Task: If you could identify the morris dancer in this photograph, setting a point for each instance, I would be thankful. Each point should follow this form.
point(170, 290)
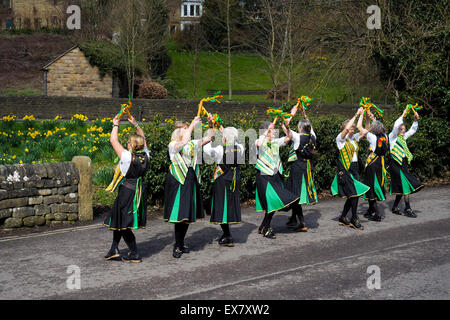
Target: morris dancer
point(182, 198)
point(226, 204)
point(345, 183)
point(129, 210)
point(301, 180)
point(270, 192)
point(402, 182)
point(375, 174)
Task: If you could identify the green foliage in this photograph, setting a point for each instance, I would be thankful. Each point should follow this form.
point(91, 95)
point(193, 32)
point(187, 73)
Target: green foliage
point(412, 52)
point(103, 176)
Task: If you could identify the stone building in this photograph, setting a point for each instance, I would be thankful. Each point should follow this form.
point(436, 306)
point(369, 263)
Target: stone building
point(32, 14)
point(183, 13)
point(72, 75)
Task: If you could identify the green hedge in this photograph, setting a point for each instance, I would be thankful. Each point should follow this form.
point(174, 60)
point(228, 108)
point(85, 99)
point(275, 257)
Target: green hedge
point(429, 146)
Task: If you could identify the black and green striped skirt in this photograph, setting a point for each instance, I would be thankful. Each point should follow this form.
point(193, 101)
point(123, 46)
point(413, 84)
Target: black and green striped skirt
point(226, 203)
point(301, 182)
point(182, 202)
point(346, 184)
point(402, 182)
point(271, 195)
point(376, 180)
point(122, 215)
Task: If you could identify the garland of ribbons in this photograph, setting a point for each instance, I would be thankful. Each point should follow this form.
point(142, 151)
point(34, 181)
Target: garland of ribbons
point(278, 113)
point(412, 108)
point(125, 108)
point(202, 112)
point(306, 101)
point(367, 105)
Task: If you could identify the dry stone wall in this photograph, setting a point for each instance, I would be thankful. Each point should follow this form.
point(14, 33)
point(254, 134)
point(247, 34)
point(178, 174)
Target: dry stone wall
point(38, 194)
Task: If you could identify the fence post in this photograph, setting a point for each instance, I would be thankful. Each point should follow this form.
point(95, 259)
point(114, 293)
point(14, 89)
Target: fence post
point(84, 166)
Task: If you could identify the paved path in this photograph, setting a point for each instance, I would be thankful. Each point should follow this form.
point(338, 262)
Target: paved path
point(327, 262)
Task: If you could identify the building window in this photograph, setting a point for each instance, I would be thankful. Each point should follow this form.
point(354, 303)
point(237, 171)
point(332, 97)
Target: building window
point(9, 24)
point(197, 11)
point(5, 4)
point(185, 10)
point(192, 10)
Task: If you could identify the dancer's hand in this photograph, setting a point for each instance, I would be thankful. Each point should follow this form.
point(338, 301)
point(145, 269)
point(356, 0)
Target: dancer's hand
point(132, 121)
point(116, 121)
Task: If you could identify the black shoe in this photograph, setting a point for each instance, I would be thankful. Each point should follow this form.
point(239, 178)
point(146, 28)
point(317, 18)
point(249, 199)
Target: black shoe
point(177, 252)
point(268, 233)
point(260, 230)
point(356, 224)
point(226, 242)
point(375, 218)
point(132, 257)
point(343, 221)
point(185, 249)
point(112, 254)
point(410, 213)
point(292, 222)
point(300, 228)
point(396, 210)
point(369, 214)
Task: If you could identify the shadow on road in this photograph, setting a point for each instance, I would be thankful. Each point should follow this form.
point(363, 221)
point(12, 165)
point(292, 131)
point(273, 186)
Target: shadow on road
point(196, 240)
point(312, 217)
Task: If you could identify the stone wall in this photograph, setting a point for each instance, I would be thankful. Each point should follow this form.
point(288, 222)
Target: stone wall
point(39, 194)
point(49, 107)
point(72, 75)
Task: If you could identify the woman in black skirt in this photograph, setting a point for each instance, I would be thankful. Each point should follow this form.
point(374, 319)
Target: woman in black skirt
point(345, 183)
point(226, 203)
point(402, 182)
point(129, 211)
point(271, 195)
point(301, 178)
point(182, 198)
point(375, 175)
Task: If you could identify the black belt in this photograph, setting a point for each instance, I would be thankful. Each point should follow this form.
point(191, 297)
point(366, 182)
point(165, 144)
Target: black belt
point(130, 184)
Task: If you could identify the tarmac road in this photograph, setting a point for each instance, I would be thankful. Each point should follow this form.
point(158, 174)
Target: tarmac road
point(327, 262)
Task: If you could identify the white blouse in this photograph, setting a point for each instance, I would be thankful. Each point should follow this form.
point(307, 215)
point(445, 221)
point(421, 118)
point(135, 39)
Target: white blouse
point(125, 160)
point(394, 134)
point(341, 143)
point(296, 138)
point(217, 152)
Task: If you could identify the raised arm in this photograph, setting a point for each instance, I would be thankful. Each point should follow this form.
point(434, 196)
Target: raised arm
point(187, 135)
point(397, 124)
point(261, 139)
point(414, 127)
point(362, 131)
point(288, 132)
point(139, 130)
point(114, 138)
point(350, 123)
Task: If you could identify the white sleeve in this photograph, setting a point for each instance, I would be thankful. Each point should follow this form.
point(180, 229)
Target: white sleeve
point(295, 139)
point(172, 150)
point(394, 131)
point(313, 133)
point(356, 137)
point(412, 130)
point(340, 142)
point(280, 141)
point(147, 152)
point(372, 140)
point(125, 162)
point(216, 153)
